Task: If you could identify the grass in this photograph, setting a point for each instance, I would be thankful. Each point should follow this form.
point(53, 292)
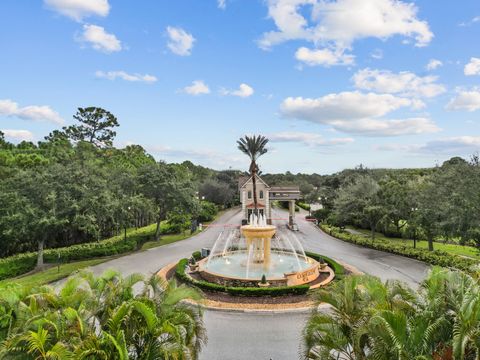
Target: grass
point(460, 250)
point(168, 239)
point(53, 273)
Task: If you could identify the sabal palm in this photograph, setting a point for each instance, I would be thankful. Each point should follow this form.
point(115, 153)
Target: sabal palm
point(254, 147)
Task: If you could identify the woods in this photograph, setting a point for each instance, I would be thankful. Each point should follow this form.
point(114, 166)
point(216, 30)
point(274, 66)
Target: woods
point(74, 187)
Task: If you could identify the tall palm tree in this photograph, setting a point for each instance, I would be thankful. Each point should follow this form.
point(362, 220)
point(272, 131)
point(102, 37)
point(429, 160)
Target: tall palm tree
point(254, 147)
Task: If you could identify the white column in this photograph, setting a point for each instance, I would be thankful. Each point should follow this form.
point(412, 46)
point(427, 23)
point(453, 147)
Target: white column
point(244, 204)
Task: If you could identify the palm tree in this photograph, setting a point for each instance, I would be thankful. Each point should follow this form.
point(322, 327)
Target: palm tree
point(253, 147)
point(101, 318)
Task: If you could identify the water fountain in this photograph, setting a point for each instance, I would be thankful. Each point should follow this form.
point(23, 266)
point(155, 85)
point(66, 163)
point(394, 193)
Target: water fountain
point(242, 258)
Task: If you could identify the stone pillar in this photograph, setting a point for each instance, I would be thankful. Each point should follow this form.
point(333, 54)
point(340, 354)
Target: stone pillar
point(291, 213)
point(268, 212)
point(244, 204)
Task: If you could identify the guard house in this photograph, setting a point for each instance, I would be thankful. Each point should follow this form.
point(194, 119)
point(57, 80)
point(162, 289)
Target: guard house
point(265, 196)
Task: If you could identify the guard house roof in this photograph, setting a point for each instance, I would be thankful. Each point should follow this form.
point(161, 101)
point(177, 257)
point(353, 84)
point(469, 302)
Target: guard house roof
point(244, 180)
point(284, 193)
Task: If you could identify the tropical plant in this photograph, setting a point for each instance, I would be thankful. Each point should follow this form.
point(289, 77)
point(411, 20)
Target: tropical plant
point(101, 318)
point(254, 147)
point(367, 319)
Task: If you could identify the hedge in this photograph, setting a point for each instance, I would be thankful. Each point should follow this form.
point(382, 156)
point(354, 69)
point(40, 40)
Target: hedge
point(436, 257)
point(335, 266)
point(237, 291)
point(21, 263)
point(303, 205)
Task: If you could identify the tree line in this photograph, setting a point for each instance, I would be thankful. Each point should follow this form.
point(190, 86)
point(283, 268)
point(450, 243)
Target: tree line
point(436, 204)
point(74, 187)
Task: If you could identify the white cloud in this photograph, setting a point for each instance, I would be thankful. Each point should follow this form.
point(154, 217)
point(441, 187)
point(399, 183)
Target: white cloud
point(342, 22)
point(465, 100)
point(458, 145)
point(403, 83)
point(324, 57)
point(78, 9)
point(359, 113)
point(433, 64)
point(32, 112)
point(222, 4)
point(243, 91)
point(99, 39)
point(205, 157)
point(112, 75)
point(181, 42)
point(198, 87)
point(19, 135)
point(377, 54)
point(473, 67)
point(308, 139)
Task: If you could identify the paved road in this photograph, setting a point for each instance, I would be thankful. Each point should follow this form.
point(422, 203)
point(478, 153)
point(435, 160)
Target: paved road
point(239, 336)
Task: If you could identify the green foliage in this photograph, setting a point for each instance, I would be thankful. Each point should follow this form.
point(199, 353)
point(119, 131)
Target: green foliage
point(19, 264)
point(251, 291)
point(303, 205)
point(372, 320)
point(101, 318)
point(264, 279)
point(335, 266)
point(207, 211)
point(95, 126)
point(436, 257)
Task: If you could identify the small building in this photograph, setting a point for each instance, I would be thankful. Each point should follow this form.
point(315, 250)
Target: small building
point(265, 196)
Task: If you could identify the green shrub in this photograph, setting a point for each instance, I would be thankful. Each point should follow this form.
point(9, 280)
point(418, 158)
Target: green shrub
point(207, 212)
point(335, 266)
point(436, 257)
point(22, 263)
point(197, 255)
point(17, 265)
point(237, 291)
point(303, 205)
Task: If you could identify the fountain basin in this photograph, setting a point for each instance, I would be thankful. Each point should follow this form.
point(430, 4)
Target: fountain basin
point(229, 269)
point(258, 232)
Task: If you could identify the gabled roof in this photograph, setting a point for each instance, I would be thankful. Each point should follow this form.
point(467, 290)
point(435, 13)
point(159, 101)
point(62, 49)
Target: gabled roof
point(249, 179)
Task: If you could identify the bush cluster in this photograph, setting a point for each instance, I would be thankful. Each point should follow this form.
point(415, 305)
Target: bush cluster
point(436, 257)
point(237, 291)
point(303, 205)
point(21, 263)
point(335, 266)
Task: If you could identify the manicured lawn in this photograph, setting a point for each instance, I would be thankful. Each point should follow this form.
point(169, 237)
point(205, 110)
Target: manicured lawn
point(459, 250)
point(168, 239)
point(53, 273)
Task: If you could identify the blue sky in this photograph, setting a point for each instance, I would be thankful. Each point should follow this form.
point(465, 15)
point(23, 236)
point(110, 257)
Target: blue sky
point(332, 83)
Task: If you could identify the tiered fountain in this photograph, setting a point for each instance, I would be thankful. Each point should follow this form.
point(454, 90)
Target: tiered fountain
point(241, 259)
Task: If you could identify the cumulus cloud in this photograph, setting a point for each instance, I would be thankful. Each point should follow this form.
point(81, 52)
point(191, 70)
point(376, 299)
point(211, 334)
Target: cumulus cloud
point(198, 87)
point(18, 135)
point(32, 112)
point(433, 64)
point(180, 42)
point(473, 67)
point(359, 113)
point(325, 57)
point(308, 139)
point(404, 83)
point(243, 91)
point(465, 100)
point(112, 75)
point(99, 39)
point(79, 9)
point(339, 23)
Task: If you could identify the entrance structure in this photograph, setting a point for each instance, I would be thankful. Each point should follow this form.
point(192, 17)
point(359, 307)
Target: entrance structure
point(265, 196)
